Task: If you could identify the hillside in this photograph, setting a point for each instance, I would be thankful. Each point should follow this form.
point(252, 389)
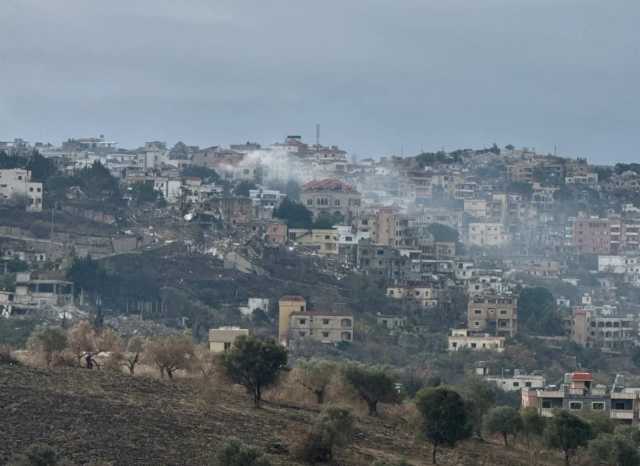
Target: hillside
point(98, 417)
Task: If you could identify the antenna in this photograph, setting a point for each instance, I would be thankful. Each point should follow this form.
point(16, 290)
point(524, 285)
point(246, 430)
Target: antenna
point(318, 135)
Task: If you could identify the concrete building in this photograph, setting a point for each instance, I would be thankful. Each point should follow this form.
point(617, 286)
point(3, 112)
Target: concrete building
point(332, 197)
point(222, 339)
point(41, 291)
point(486, 234)
point(588, 326)
point(495, 313)
point(512, 381)
point(253, 304)
point(578, 394)
point(461, 339)
point(287, 305)
point(16, 184)
point(323, 326)
point(391, 322)
point(324, 241)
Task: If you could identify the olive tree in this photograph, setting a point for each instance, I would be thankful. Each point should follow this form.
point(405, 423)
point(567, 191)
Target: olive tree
point(316, 375)
point(567, 433)
point(255, 364)
point(170, 354)
point(48, 341)
point(503, 420)
point(445, 418)
point(373, 384)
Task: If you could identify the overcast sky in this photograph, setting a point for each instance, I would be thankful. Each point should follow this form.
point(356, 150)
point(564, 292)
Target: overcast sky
point(378, 75)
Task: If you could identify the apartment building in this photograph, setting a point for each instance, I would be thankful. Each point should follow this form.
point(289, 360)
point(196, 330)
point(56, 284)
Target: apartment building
point(579, 395)
point(323, 241)
point(322, 326)
point(486, 234)
point(425, 295)
point(588, 326)
point(609, 235)
point(331, 196)
point(511, 381)
point(461, 339)
point(497, 314)
point(16, 184)
point(287, 305)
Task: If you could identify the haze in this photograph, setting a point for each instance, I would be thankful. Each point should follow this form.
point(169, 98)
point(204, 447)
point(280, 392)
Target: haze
point(380, 76)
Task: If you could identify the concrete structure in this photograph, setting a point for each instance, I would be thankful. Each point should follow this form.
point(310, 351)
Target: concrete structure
point(485, 234)
point(391, 322)
point(323, 326)
point(287, 305)
point(332, 197)
point(578, 394)
point(254, 304)
point(38, 292)
point(512, 381)
point(222, 339)
point(589, 327)
point(325, 241)
point(495, 313)
point(461, 339)
point(16, 184)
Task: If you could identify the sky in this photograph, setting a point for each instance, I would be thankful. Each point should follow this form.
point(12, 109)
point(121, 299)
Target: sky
point(380, 76)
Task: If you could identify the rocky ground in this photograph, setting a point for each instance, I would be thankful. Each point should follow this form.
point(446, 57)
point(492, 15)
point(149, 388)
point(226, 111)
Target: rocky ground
point(106, 418)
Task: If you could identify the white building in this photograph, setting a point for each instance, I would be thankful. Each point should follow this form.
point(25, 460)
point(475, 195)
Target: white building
point(486, 234)
point(461, 339)
point(253, 304)
point(16, 183)
point(512, 382)
point(266, 198)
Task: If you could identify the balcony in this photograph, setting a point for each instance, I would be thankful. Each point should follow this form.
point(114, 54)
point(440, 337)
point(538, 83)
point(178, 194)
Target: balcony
point(621, 414)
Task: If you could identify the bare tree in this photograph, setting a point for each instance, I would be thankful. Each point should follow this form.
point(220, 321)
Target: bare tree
point(316, 375)
point(170, 354)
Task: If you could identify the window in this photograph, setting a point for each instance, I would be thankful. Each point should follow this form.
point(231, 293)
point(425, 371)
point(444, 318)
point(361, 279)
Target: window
point(597, 405)
point(477, 312)
point(575, 405)
point(546, 404)
point(302, 321)
point(619, 405)
point(302, 334)
point(325, 334)
point(227, 346)
point(527, 384)
point(454, 344)
point(325, 321)
point(346, 323)
point(309, 201)
point(473, 345)
point(516, 384)
point(346, 336)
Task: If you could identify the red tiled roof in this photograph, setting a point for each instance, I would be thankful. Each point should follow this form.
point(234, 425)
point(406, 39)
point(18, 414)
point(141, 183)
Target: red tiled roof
point(328, 185)
point(582, 377)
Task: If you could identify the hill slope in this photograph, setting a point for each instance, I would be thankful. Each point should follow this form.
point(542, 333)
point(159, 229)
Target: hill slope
point(105, 418)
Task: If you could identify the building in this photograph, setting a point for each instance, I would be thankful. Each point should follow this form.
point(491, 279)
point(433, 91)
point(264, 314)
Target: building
point(222, 339)
point(425, 295)
point(495, 313)
point(42, 291)
point(287, 305)
point(322, 326)
point(324, 241)
point(486, 234)
point(333, 197)
point(590, 327)
point(461, 339)
point(578, 394)
point(16, 185)
point(512, 381)
point(254, 304)
point(391, 322)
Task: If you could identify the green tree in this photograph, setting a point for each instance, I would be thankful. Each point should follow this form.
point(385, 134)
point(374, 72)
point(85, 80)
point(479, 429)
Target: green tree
point(41, 168)
point(48, 341)
point(234, 453)
point(294, 214)
point(143, 193)
point(207, 175)
point(255, 364)
point(373, 384)
point(503, 420)
point(532, 423)
point(567, 433)
point(480, 397)
point(316, 375)
point(326, 221)
point(609, 449)
point(537, 312)
point(444, 418)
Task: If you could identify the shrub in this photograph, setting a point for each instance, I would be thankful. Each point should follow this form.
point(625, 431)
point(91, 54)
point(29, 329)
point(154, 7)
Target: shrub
point(234, 453)
point(333, 429)
point(503, 420)
point(36, 455)
point(6, 356)
point(48, 342)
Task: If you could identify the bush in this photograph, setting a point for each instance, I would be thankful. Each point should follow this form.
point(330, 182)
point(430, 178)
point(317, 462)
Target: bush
point(6, 356)
point(374, 385)
point(48, 342)
point(234, 453)
point(333, 429)
point(36, 455)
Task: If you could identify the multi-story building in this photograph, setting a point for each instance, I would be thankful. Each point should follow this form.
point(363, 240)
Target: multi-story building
point(324, 241)
point(495, 313)
point(461, 339)
point(609, 235)
point(16, 183)
point(511, 381)
point(322, 326)
point(332, 197)
point(425, 295)
point(287, 305)
point(486, 234)
point(578, 394)
point(587, 326)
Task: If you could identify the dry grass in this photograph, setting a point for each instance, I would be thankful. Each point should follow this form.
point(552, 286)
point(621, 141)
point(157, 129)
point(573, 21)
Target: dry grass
point(104, 417)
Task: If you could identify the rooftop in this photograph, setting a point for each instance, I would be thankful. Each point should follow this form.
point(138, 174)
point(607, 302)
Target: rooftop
point(328, 185)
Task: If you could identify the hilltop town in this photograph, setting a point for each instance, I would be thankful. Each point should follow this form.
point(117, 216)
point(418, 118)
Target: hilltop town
point(497, 266)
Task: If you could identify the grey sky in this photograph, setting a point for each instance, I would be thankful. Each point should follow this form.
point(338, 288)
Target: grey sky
point(376, 74)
